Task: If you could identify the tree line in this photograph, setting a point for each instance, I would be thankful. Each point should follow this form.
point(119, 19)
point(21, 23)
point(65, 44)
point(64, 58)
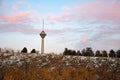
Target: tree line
point(89, 52)
point(24, 50)
point(85, 52)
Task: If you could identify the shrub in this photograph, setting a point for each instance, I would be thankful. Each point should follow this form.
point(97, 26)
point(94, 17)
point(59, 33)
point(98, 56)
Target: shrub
point(104, 53)
point(112, 53)
point(33, 51)
point(118, 53)
point(65, 51)
point(98, 54)
point(24, 50)
point(87, 52)
point(78, 53)
point(69, 52)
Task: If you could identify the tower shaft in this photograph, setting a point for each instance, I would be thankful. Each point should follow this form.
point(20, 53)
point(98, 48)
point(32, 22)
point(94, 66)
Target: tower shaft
point(42, 46)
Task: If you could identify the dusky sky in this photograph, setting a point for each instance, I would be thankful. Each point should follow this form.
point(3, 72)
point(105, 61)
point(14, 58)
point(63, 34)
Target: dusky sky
point(75, 24)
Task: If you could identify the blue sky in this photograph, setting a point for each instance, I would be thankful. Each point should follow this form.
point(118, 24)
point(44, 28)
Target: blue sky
point(75, 24)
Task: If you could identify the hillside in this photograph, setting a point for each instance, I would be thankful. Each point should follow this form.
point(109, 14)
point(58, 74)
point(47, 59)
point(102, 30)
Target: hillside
point(31, 66)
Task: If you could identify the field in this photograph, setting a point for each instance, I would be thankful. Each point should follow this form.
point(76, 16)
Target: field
point(31, 66)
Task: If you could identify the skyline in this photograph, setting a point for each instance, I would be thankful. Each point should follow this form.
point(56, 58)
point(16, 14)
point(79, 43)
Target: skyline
point(74, 24)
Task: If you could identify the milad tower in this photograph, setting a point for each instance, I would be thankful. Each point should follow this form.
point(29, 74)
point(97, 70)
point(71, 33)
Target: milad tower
point(42, 34)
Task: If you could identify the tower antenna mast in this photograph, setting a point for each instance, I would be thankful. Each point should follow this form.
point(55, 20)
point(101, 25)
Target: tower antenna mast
point(43, 25)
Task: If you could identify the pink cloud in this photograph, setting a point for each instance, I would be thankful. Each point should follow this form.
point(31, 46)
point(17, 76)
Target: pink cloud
point(99, 11)
point(84, 39)
point(18, 4)
point(64, 17)
point(28, 29)
point(14, 8)
point(102, 11)
point(14, 27)
point(19, 17)
point(21, 13)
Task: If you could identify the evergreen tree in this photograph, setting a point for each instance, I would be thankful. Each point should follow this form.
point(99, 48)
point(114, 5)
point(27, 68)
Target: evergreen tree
point(84, 52)
point(98, 54)
point(33, 51)
point(118, 53)
point(89, 51)
point(112, 53)
point(104, 53)
point(78, 53)
point(24, 50)
point(70, 52)
point(65, 51)
point(74, 52)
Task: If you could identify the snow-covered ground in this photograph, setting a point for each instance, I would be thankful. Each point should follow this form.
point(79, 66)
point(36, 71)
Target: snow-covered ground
point(18, 59)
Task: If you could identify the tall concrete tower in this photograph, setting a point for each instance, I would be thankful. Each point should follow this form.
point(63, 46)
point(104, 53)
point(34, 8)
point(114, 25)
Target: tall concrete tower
point(42, 34)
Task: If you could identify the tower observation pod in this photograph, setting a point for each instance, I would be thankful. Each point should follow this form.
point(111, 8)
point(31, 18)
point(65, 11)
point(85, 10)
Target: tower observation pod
point(42, 34)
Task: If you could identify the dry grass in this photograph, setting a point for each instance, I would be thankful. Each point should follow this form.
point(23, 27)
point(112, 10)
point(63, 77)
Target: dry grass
point(57, 70)
point(67, 73)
